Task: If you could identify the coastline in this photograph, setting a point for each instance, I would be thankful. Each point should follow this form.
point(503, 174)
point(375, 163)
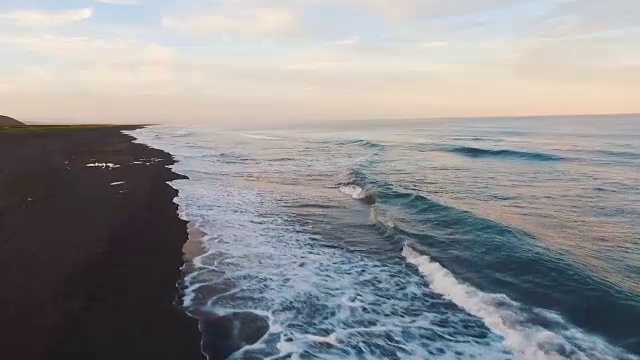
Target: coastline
point(90, 255)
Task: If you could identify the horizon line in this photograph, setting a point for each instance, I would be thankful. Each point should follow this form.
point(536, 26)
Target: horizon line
point(157, 122)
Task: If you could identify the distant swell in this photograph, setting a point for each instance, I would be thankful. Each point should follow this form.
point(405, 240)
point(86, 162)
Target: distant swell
point(474, 152)
point(473, 138)
point(363, 143)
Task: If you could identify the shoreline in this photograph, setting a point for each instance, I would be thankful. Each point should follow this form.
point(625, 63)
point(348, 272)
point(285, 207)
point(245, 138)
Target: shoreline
point(90, 257)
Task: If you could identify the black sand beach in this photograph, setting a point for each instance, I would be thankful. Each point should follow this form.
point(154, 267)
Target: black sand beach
point(88, 264)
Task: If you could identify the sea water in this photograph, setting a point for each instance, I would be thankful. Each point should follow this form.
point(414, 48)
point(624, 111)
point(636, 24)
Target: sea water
point(417, 239)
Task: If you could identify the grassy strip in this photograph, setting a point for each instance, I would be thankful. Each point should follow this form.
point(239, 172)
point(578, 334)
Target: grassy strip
point(46, 128)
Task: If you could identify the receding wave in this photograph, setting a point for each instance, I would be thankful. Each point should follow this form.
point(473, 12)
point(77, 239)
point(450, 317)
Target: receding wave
point(234, 157)
point(475, 152)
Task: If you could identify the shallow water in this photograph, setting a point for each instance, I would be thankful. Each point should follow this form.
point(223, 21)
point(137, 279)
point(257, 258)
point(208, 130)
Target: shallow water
point(451, 239)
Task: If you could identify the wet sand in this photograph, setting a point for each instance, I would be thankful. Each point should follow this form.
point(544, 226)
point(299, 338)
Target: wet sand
point(89, 256)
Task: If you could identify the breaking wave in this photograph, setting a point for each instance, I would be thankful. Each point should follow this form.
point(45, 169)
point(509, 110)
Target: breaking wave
point(354, 191)
point(493, 250)
point(516, 323)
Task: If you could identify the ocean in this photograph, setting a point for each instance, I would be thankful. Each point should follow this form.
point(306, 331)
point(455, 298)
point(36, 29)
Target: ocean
point(488, 238)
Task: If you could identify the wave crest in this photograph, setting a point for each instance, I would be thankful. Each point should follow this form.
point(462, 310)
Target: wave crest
point(475, 152)
point(358, 193)
point(363, 143)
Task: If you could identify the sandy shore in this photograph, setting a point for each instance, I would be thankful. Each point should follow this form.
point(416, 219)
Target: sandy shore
point(89, 255)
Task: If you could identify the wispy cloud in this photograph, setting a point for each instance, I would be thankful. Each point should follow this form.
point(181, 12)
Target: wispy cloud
point(47, 18)
point(433, 44)
point(260, 21)
point(119, 2)
point(428, 8)
point(345, 42)
point(94, 50)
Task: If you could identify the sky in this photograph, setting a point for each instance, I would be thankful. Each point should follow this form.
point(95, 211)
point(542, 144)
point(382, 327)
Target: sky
point(202, 61)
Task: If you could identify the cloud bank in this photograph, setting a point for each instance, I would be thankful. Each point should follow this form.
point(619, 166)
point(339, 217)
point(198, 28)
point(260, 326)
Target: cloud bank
point(311, 59)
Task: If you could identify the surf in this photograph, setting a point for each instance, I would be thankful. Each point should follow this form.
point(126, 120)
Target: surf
point(333, 275)
point(494, 249)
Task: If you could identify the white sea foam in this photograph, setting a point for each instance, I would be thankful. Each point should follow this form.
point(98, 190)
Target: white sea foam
point(320, 300)
point(260, 137)
point(117, 183)
point(146, 161)
point(508, 318)
point(354, 191)
point(103, 165)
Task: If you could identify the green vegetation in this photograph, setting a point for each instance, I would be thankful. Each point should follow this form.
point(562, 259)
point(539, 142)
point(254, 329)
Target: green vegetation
point(45, 128)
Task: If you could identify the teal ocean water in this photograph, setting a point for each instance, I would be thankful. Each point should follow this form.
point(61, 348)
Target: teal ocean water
point(417, 239)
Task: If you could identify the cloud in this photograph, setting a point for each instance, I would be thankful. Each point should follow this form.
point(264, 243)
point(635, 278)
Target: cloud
point(595, 15)
point(317, 65)
point(119, 2)
point(5, 87)
point(345, 42)
point(428, 8)
point(329, 58)
point(108, 64)
point(47, 18)
point(432, 44)
point(244, 22)
point(151, 78)
point(82, 48)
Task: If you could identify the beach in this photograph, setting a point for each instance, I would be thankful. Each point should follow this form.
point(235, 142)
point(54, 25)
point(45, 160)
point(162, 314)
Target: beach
point(90, 248)
point(334, 242)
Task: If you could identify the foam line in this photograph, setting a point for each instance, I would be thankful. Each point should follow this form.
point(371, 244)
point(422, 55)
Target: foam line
point(103, 165)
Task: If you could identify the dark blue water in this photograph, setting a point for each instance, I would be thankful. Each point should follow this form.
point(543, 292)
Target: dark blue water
point(473, 238)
